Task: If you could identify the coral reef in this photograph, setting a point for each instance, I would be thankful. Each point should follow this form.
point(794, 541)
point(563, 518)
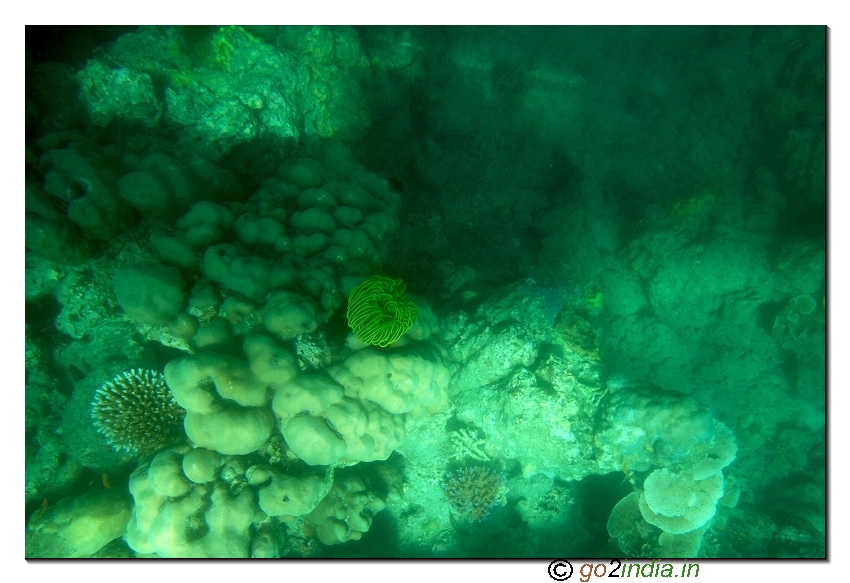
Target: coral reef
point(224, 401)
point(84, 177)
point(535, 408)
point(150, 293)
point(411, 379)
point(801, 317)
point(686, 449)
point(194, 503)
point(616, 344)
point(678, 503)
point(283, 258)
point(646, 427)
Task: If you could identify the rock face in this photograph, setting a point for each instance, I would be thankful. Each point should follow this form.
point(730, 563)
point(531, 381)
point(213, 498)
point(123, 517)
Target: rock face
point(528, 389)
point(79, 527)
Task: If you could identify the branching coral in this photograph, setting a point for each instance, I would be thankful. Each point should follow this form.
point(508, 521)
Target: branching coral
point(468, 443)
point(473, 491)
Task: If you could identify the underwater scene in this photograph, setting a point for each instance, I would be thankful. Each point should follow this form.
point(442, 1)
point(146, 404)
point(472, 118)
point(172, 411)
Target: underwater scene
point(425, 292)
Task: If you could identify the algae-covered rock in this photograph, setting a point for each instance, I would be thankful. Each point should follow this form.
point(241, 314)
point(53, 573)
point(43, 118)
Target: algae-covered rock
point(150, 293)
point(79, 527)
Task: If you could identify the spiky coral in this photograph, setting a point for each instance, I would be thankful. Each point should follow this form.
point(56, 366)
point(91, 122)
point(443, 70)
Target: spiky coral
point(136, 412)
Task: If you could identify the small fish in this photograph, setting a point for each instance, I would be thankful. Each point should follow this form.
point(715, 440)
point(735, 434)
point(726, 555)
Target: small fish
point(105, 479)
point(44, 505)
point(625, 466)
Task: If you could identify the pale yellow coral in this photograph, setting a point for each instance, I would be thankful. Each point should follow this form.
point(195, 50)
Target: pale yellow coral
point(287, 315)
point(313, 440)
point(346, 512)
point(205, 521)
point(232, 431)
point(224, 402)
point(190, 377)
point(410, 379)
point(200, 465)
point(322, 426)
point(166, 473)
point(270, 362)
point(287, 495)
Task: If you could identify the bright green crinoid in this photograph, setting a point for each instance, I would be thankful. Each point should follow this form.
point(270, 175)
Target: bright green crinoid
point(378, 310)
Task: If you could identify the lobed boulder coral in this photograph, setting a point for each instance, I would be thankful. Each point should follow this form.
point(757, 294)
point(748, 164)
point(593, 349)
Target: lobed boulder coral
point(84, 178)
point(288, 315)
point(195, 503)
point(346, 512)
point(150, 293)
point(161, 186)
point(286, 495)
point(322, 421)
point(201, 465)
point(282, 258)
point(177, 518)
point(48, 232)
point(225, 402)
point(411, 379)
point(101, 192)
point(322, 426)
